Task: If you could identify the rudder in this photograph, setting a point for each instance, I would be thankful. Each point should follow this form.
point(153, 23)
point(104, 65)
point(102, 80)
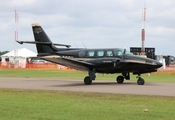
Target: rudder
point(41, 37)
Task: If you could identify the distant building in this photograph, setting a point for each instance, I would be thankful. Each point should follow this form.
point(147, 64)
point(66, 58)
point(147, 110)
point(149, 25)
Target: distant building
point(149, 52)
point(170, 60)
point(19, 60)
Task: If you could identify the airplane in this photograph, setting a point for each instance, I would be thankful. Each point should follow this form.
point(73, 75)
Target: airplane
point(109, 60)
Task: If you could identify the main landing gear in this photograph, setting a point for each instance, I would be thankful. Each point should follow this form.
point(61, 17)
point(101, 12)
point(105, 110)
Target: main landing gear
point(120, 79)
point(88, 79)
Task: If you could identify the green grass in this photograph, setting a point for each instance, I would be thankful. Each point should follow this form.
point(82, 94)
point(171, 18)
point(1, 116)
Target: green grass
point(42, 73)
point(161, 76)
point(16, 104)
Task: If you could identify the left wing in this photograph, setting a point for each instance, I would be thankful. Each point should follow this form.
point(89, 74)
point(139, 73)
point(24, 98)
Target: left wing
point(79, 65)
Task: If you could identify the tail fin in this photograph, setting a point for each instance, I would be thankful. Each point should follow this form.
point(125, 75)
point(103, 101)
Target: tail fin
point(41, 37)
point(42, 41)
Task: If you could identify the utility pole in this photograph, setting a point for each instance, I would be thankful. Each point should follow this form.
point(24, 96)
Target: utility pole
point(16, 37)
point(143, 31)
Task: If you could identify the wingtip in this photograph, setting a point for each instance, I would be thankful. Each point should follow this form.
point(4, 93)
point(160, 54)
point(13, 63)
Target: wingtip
point(20, 42)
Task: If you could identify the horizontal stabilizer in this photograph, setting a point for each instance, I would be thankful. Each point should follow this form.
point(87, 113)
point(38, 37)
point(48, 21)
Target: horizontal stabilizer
point(44, 43)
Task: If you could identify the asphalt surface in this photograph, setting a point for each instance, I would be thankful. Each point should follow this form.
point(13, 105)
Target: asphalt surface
point(150, 88)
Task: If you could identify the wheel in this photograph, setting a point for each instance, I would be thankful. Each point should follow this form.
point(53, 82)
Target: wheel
point(120, 79)
point(87, 80)
point(140, 81)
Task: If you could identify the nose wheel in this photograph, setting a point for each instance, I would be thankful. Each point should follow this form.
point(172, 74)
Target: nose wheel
point(140, 81)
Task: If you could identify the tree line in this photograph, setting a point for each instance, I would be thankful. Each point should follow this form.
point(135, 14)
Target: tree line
point(3, 52)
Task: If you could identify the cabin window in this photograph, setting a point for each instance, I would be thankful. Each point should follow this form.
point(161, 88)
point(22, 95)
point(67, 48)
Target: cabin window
point(81, 54)
point(109, 53)
point(118, 52)
point(100, 53)
point(90, 53)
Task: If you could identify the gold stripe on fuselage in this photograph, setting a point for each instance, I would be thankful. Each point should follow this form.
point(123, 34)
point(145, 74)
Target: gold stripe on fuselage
point(142, 62)
point(68, 57)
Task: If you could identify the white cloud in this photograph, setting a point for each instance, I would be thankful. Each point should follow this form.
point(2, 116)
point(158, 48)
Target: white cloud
point(111, 23)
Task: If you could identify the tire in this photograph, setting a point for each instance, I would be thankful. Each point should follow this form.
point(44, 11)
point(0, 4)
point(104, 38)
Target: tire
point(87, 80)
point(140, 81)
point(120, 79)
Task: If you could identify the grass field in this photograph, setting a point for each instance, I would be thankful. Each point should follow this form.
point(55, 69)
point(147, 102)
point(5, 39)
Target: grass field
point(18, 104)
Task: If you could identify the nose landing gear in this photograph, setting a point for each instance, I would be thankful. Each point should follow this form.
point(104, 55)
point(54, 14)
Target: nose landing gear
point(140, 80)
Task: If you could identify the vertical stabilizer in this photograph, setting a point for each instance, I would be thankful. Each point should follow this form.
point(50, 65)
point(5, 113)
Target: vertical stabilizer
point(41, 37)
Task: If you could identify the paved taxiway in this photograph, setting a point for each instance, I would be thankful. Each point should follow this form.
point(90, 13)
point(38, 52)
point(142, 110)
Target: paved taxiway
point(150, 88)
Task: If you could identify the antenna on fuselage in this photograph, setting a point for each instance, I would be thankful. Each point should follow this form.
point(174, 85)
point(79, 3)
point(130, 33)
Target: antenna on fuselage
point(76, 45)
point(83, 44)
point(123, 53)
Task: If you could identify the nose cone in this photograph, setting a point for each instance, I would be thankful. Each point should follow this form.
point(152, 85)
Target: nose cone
point(159, 64)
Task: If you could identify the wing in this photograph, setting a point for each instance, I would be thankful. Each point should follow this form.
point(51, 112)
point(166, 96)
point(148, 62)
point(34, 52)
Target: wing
point(79, 65)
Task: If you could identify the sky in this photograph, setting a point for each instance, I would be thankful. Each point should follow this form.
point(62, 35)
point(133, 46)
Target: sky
point(90, 23)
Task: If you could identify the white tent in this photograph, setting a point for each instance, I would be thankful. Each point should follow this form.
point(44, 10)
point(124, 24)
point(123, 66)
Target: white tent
point(17, 58)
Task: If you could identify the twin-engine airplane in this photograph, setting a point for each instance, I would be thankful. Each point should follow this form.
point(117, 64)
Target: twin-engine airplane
point(111, 60)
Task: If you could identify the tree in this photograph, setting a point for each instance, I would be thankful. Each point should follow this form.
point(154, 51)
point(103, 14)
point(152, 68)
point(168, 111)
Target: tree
point(3, 52)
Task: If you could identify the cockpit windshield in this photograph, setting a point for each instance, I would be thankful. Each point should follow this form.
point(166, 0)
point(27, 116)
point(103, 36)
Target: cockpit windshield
point(128, 53)
point(120, 52)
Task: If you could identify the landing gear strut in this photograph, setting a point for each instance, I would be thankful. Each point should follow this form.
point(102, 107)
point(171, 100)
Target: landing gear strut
point(88, 79)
